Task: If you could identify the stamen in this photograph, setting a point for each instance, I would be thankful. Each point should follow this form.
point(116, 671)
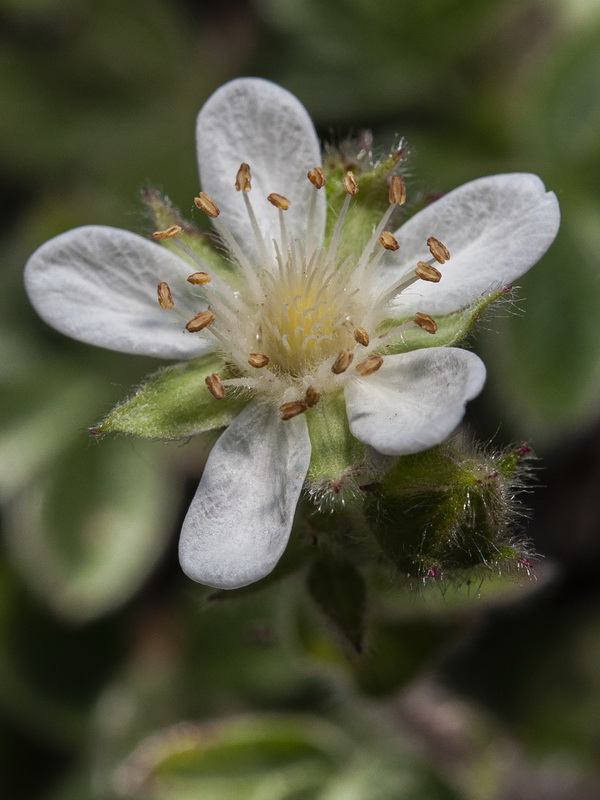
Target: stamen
point(317, 177)
point(350, 184)
point(427, 272)
point(396, 196)
point(216, 386)
point(337, 231)
point(388, 240)
point(289, 410)
point(312, 397)
point(168, 233)
point(243, 180)
point(165, 298)
point(243, 184)
point(369, 366)
point(258, 360)
point(361, 336)
point(238, 254)
point(199, 278)
point(397, 191)
point(279, 201)
point(282, 203)
point(200, 321)
point(438, 250)
point(342, 362)
point(205, 203)
point(426, 322)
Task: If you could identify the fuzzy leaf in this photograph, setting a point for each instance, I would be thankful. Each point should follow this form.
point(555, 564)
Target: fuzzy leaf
point(174, 403)
point(244, 757)
point(86, 535)
point(339, 591)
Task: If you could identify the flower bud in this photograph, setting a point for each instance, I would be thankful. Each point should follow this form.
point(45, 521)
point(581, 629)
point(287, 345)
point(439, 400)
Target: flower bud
point(448, 510)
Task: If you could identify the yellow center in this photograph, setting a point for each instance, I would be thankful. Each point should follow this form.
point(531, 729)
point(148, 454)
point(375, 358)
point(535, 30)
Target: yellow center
point(304, 322)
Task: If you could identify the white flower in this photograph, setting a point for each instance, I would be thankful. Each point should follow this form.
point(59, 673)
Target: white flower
point(299, 322)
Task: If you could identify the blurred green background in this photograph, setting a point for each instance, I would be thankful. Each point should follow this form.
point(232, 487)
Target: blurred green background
point(106, 649)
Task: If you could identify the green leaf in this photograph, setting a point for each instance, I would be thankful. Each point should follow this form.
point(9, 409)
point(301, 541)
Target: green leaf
point(174, 403)
point(87, 533)
point(399, 650)
point(451, 329)
point(340, 592)
point(275, 757)
point(39, 425)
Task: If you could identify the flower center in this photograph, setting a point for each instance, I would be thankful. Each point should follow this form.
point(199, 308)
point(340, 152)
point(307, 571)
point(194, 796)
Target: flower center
point(307, 315)
point(294, 328)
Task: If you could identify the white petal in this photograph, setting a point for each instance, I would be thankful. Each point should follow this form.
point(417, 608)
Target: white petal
point(98, 285)
point(255, 121)
point(495, 228)
point(241, 516)
point(415, 400)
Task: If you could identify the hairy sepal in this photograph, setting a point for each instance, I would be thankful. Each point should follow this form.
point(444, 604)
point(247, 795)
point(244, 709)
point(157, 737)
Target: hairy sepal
point(367, 207)
point(203, 245)
point(338, 458)
point(173, 403)
point(452, 329)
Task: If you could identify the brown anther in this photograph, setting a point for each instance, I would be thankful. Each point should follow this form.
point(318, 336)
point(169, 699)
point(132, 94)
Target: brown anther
point(200, 321)
point(317, 177)
point(397, 191)
point(388, 241)
point(350, 184)
point(312, 397)
point(215, 385)
point(438, 250)
point(426, 322)
point(428, 273)
point(279, 201)
point(205, 203)
point(342, 362)
point(289, 410)
point(199, 278)
point(243, 179)
point(168, 233)
point(258, 360)
point(369, 366)
point(165, 298)
point(361, 336)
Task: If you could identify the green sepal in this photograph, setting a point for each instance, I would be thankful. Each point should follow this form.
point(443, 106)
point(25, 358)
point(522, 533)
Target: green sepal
point(452, 329)
point(339, 590)
point(366, 208)
point(336, 454)
point(449, 509)
point(200, 243)
point(173, 403)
